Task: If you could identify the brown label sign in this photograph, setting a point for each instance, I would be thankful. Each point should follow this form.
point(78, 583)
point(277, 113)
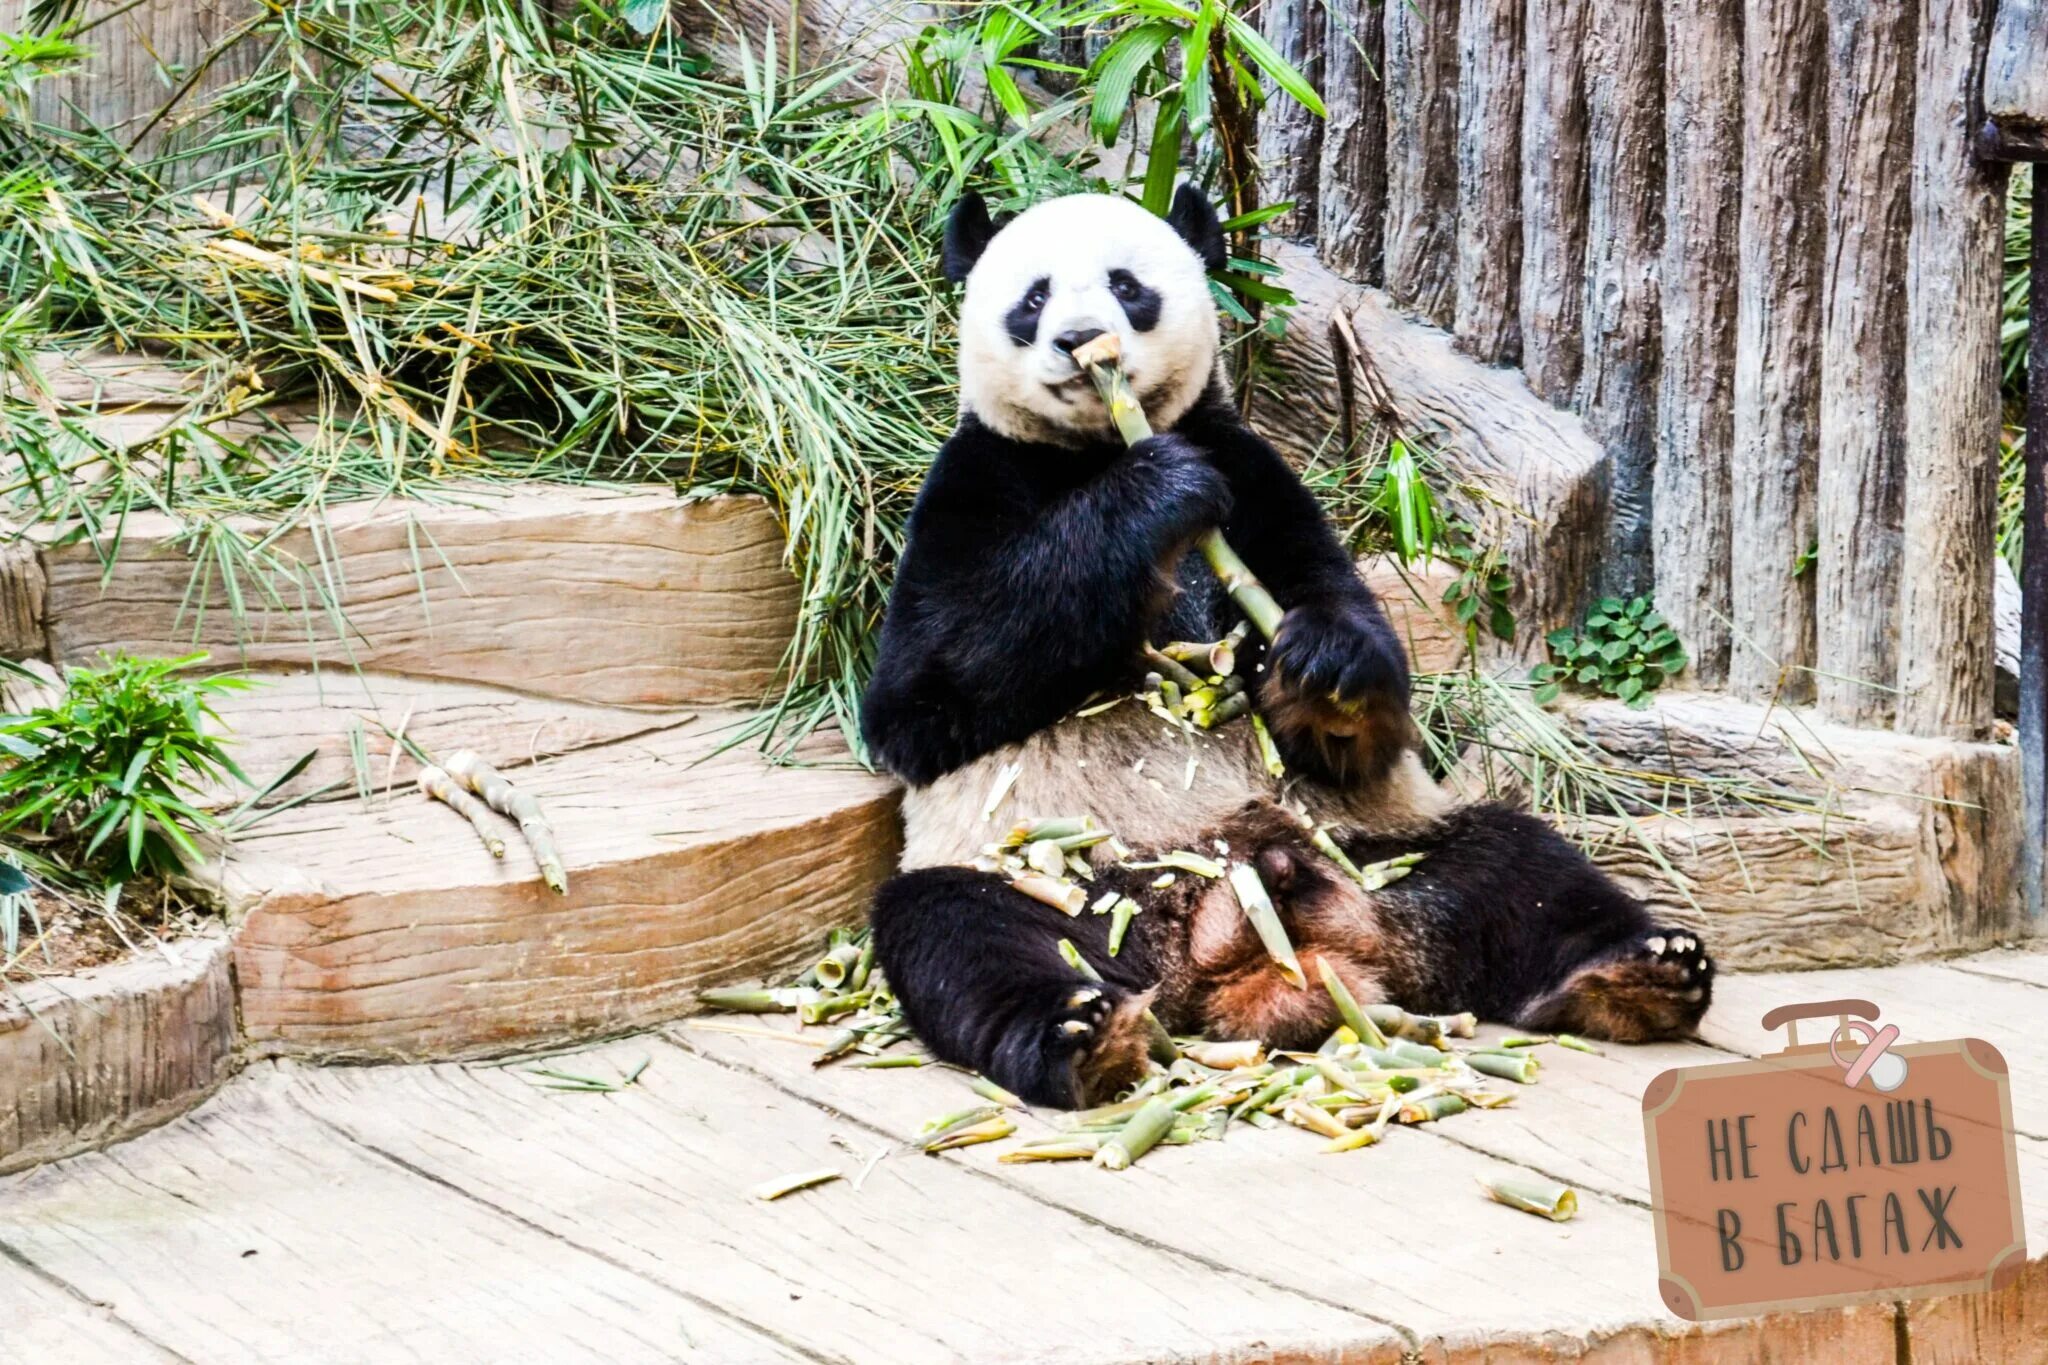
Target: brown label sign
point(1776, 1185)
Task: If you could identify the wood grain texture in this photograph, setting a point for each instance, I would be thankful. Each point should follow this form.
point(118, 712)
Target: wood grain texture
point(2016, 76)
point(1952, 305)
point(624, 598)
point(138, 58)
point(90, 1059)
point(1422, 156)
point(1859, 501)
point(21, 599)
point(1624, 260)
point(1290, 137)
point(1351, 192)
point(1777, 347)
point(1690, 492)
point(1487, 321)
point(285, 715)
point(391, 933)
point(1413, 597)
point(1552, 293)
point(1490, 430)
point(1920, 853)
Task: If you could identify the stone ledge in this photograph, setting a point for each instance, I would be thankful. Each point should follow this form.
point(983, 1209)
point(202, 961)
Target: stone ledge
point(90, 1059)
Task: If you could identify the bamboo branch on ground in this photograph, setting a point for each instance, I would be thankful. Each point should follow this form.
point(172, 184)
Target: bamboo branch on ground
point(499, 793)
point(439, 786)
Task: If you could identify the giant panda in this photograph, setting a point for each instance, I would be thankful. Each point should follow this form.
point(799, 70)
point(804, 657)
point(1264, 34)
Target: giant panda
point(1041, 556)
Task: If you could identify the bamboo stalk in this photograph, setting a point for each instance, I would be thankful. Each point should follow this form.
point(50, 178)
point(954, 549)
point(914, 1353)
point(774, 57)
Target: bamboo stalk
point(1396, 1022)
point(738, 1001)
point(1577, 1044)
point(1138, 1135)
point(1060, 894)
point(790, 1184)
point(1520, 1067)
point(1355, 1019)
point(989, 1090)
point(1230, 1056)
point(1120, 922)
point(1183, 861)
point(1533, 1194)
point(1258, 908)
point(988, 1130)
point(1102, 358)
point(438, 785)
point(1429, 1108)
point(836, 966)
point(480, 777)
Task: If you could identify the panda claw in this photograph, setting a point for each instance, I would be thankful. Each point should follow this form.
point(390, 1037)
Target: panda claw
point(1072, 1026)
point(1082, 997)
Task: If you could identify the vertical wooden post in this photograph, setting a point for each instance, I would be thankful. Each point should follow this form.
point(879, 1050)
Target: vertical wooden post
point(1422, 155)
point(1696, 385)
point(1777, 348)
point(1952, 305)
point(1290, 137)
point(1351, 196)
point(1859, 497)
point(1487, 322)
point(2033, 717)
point(1624, 260)
point(1554, 198)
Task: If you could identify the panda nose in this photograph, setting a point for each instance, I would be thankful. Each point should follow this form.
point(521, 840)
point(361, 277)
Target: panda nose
point(1070, 342)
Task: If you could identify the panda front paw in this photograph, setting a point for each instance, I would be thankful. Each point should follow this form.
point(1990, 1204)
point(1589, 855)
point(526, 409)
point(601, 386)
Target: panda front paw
point(1175, 482)
point(1336, 693)
point(1079, 1022)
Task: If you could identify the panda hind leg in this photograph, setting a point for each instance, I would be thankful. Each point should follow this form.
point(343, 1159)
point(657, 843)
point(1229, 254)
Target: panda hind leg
point(1655, 985)
point(977, 967)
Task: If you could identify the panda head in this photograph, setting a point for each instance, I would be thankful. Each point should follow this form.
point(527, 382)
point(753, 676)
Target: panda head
point(1067, 270)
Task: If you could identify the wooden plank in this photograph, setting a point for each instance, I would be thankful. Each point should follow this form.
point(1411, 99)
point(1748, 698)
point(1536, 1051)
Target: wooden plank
point(1487, 320)
point(1954, 271)
point(21, 599)
point(246, 1231)
point(1624, 258)
point(1552, 290)
point(2016, 79)
point(287, 714)
point(1290, 137)
point(1860, 485)
point(1690, 530)
point(1351, 195)
point(1777, 349)
point(93, 1058)
point(1252, 1189)
point(1928, 1001)
point(1422, 156)
point(390, 933)
point(48, 1322)
point(656, 1179)
point(585, 593)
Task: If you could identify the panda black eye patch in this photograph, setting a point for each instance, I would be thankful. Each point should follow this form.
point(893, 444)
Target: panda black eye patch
point(1021, 322)
point(1140, 302)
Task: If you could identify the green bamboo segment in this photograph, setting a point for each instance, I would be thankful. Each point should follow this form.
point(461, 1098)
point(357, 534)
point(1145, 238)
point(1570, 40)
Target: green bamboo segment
point(1429, 1108)
point(1074, 959)
point(1138, 1135)
point(790, 1184)
point(1520, 1068)
point(1269, 752)
point(1533, 1194)
point(1357, 1020)
point(1119, 922)
point(989, 1090)
point(1258, 908)
point(757, 1001)
point(1577, 1044)
point(1102, 358)
point(1396, 1022)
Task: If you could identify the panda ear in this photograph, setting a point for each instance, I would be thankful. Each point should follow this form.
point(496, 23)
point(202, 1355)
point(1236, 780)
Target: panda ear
point(1194, 218)
point(967, 235)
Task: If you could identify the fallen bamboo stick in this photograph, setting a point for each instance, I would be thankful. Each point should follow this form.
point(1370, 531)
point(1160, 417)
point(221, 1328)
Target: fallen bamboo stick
point(439, 786)
point(500, 795)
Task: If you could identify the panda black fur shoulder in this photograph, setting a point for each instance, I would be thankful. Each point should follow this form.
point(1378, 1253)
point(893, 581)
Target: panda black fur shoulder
point(1042, 556)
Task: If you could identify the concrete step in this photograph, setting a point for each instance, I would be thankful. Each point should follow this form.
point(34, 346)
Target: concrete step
point(400, 1213)
point(621, 597)
point(383, 929)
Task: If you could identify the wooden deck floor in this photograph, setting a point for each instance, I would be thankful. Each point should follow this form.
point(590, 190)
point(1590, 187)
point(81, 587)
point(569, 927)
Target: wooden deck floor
point(461, 1213)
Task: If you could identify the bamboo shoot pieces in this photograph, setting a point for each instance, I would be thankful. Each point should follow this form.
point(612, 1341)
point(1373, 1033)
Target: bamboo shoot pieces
point(509, 801)
point(439, 786)
point(1102, 358)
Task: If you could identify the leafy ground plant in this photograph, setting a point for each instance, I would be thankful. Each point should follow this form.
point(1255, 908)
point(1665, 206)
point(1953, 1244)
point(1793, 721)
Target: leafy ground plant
point(102, 778)
point(1625, 650)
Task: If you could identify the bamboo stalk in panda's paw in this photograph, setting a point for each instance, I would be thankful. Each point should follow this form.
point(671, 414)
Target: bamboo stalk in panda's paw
point(501, 796)
point(1102, 358)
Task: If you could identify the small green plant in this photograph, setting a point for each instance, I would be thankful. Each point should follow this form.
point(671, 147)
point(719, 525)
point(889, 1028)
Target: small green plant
point(104, 773)
point(1624, 650)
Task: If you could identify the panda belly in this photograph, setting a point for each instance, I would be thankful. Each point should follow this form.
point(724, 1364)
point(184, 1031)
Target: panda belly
point(1151, 784)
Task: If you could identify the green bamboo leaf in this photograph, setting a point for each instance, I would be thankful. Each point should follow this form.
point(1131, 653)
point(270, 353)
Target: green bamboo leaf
point(1115, 76)
point(1162, 163)
point(1253, 44)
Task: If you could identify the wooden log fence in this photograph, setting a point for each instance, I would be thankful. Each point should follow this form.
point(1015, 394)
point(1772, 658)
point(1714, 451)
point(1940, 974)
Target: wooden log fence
point(1756, 245)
